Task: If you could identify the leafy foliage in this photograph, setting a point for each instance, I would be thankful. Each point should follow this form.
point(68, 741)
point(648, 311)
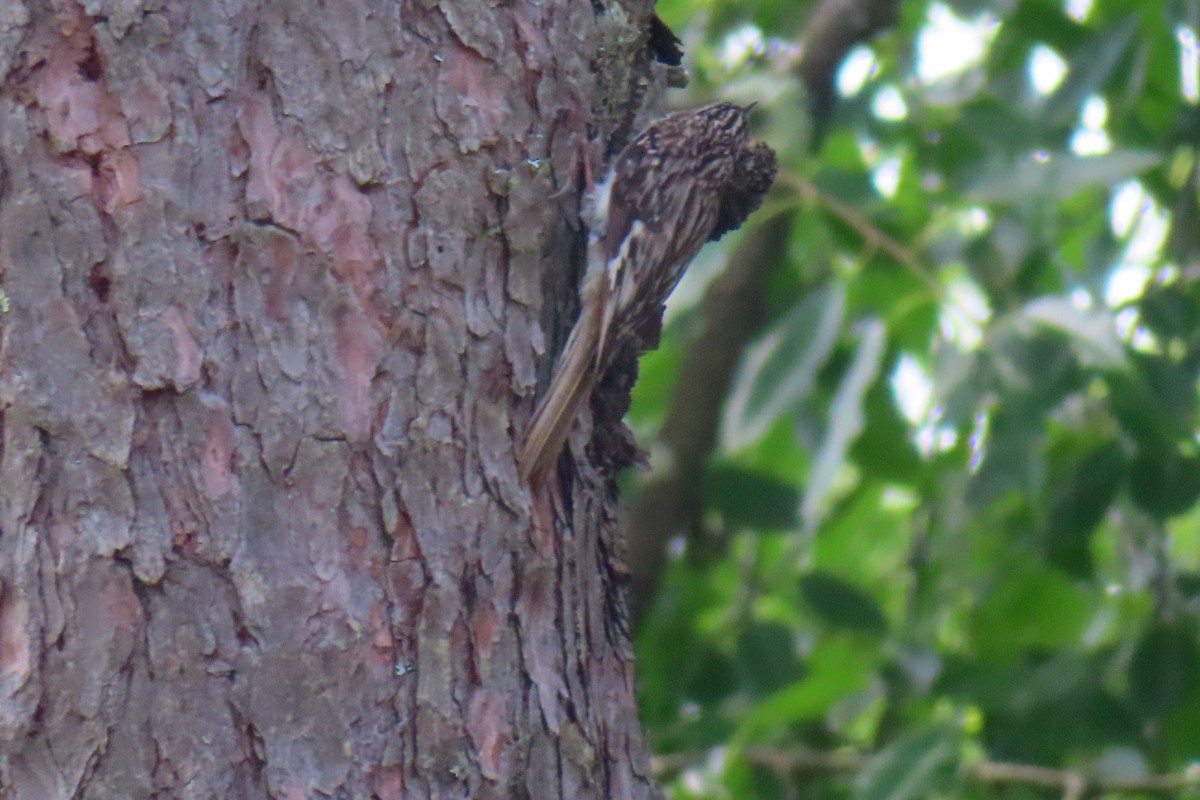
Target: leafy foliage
point(953, 513)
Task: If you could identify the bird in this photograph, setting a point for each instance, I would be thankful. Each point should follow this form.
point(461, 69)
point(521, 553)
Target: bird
point(688, 178)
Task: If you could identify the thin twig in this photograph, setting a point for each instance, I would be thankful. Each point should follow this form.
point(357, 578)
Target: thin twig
point(1073, 783)
point(876, 239)
point(871, 234)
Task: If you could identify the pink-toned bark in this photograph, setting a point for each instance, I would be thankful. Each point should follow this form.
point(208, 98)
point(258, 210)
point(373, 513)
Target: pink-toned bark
point(276, 283)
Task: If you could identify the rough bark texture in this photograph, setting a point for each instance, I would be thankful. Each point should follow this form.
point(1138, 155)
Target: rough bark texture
point(276, 282)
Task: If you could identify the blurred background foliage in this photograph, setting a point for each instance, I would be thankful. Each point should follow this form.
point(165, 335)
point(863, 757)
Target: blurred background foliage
point(923, 519)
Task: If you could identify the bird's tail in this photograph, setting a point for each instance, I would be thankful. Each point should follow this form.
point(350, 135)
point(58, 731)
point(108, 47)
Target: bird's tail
point(574, 380)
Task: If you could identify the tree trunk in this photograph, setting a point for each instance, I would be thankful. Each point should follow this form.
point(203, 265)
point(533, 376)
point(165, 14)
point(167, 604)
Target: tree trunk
point(275, 283)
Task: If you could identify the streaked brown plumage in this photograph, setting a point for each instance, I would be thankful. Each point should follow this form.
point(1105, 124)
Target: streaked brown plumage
point(688, 178)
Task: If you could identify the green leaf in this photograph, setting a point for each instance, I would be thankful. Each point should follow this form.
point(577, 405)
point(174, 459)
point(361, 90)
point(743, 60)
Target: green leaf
point(743, 779)
point(1037, 608)
point(1093, 333)
point(1164, 670)
point(866, 541)
point(711, 677)
point(1079, 499)
point(884, 449)
point(1023, 701)
point(842, 604)
point(766, 656)
point(1171, 311)
point(1089, 68)
point(1003, 128)
point(1165, 481)
point(845, 422)
point(921, 764)
point(835, 670)
point(1056, 176)
point(1155, 403)
point(1012, 461)
point(750, 499)
point(780, 369)
point(1179, 730)
point(1036, 366)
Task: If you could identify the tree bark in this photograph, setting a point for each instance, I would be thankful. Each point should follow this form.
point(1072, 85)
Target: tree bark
point(278, 275)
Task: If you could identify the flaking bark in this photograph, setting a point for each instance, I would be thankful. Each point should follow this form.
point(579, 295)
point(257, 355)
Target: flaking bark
point(275, 275)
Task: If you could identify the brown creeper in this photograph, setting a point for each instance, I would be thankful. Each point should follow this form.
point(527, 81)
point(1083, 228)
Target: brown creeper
point(686, 179)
